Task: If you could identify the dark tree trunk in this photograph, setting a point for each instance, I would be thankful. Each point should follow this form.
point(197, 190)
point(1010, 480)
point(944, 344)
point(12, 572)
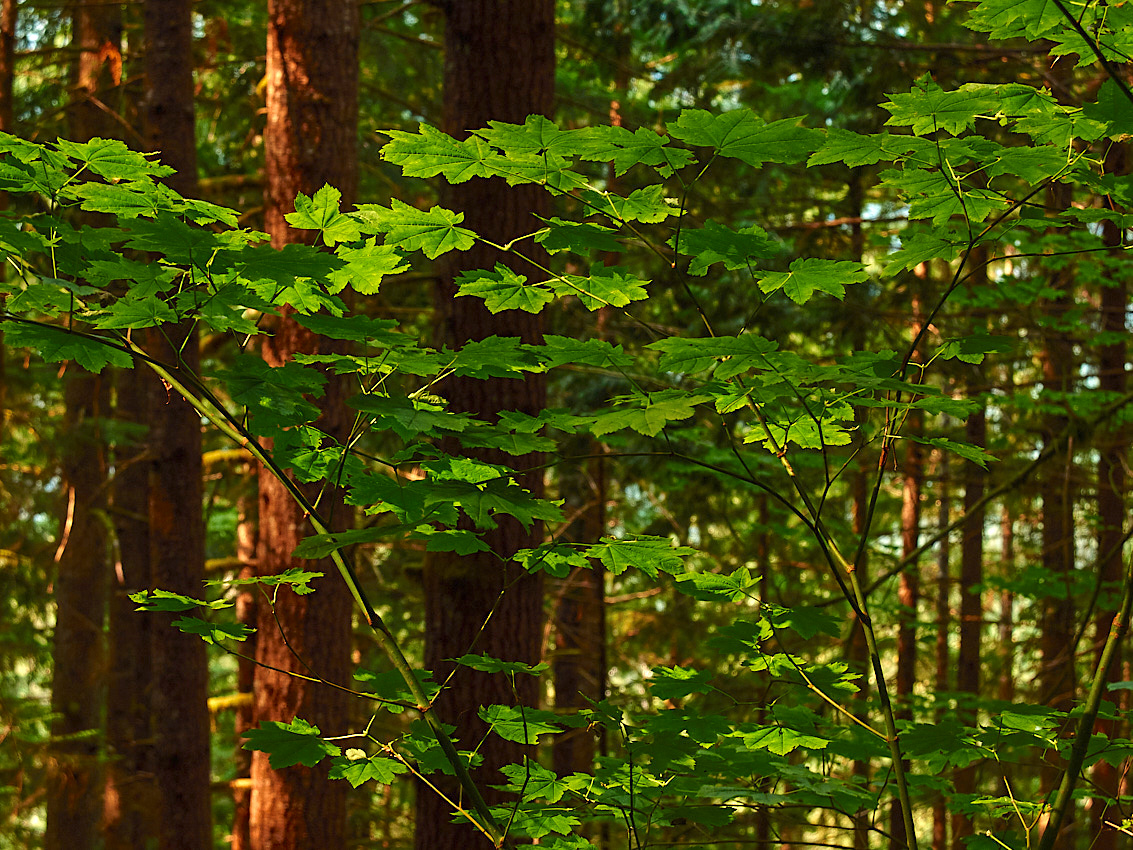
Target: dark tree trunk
point(579, 666)
point(1112, 453)
point(180, 662)
point(499, 65)
point(130, 818)
point(74, 798)
point(74, 795)
point(971, 602)
point(908, 592)
point(943, 626)
point(311, 138)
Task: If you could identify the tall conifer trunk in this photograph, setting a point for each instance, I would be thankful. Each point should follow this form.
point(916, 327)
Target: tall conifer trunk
point(499, 65)
point(74, 799)
point(1111, 474)
point(176, 533)
point(311, 139)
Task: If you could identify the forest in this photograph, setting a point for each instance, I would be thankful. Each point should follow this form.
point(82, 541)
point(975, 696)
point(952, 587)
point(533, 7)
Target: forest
point(591, 424)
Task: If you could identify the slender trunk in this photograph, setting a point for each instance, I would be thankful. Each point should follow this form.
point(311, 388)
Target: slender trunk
point(246, 605)
point(74, 800)
point(312, 119)
point(131, 807)
point(971, 602)
point(1113, 450)
point(908, 592)
point(579, 666)
point(177, 549)
point(1057, 678)
point(499, 65)
point(943, 628)
point(856, 653)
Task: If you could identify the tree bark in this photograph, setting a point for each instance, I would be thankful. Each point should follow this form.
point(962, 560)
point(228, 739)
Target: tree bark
point(74, 789)
point(74, 799)
point(311, 139)
point(177, 553)
point(1112, 451)
point(499, 65)
point(971, 602)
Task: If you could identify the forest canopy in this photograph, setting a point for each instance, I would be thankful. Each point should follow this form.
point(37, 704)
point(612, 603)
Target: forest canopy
point(593, 424)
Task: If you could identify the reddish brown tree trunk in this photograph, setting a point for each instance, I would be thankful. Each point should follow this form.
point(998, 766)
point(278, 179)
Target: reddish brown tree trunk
point(180, 662)
point(971, 601)
point(74, 777)
point(131, 807)
point(1112, 453)
point(499, 65)
point(1057, 678)
point(74, 800)
point(579, 666)
point(312, 120)
point(943, 626)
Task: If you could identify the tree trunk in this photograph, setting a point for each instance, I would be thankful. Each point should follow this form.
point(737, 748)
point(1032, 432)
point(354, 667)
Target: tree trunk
point(499, 65)
point(943, 626)
point(908, 592)
point(311, 137)
point(74, 797)
point(579, 667)
point(74, 800)
point(971, 601)
point(130, 817)
point(177, 553)
point(1112, 452)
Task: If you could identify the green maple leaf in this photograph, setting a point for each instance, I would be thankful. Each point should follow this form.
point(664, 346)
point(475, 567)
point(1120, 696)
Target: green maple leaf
point(577, 236)
point(560, 350)
point(488, 664)
point(126, 200)
point(647, 553)
point(780, 740)
point(1113, 108)
point(213, 633)
point(54, 344)
point(648, 205)
point(743, 135)
point(169, 236)
point(357, 768)
point(717, 243)
point(730, 355)
point(736, 587)
point(430, 152)
point(606, 286)
point(111, 159)
point(928, 108)
point(288, 744)
point(642, 146)
point(536, 136)
point(298, 579)
point(366, 266)
point(554, 559)
point(381, 332)
point(810, 275)
point(538, 783)
point(166, 600)
point(503, 289)
point(433, 231)
point(523, 725)
point(850, 148)
point(136, 313)
point(321, 212)
point(674, 682)
point(922, 245)
point(648, 413)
